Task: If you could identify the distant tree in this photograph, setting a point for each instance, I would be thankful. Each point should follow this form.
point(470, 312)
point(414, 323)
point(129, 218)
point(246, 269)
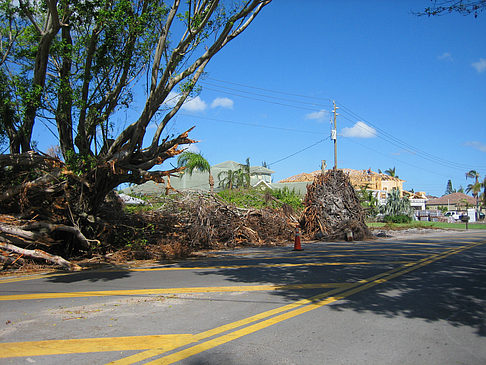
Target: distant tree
point(475, 188)
point(191, 161)
point(245, 173)
point(473, 174)
point(464, 7)
point(397, 205)
point(484, 191)
point(391, 172)
point(449, 188)
point(239, 178)
point(368, 201)
point(228, 179)
point(461, 189)
point(264, 164)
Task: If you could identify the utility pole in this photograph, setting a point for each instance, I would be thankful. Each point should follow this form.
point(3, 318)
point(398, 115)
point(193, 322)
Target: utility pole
point(334, 135)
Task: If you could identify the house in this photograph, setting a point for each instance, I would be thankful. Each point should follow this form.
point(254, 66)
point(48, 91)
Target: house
point(381, 184)
point(454, 201)
point(200, 180)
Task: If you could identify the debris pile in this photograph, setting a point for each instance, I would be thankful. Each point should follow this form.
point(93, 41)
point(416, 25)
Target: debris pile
point(209, 222)
point(180, 225)
point(332, 209)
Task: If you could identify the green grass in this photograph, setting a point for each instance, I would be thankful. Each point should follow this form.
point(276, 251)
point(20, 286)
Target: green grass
point(437, 225)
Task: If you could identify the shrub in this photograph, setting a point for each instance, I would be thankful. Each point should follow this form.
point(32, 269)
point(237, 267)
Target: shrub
point(400, 218)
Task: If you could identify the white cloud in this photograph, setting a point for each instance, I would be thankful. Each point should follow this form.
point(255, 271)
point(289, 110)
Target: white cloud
point(359, 130)
point(223, 103)
point(320, 116)
point(446, 56)
point(191, 104)
point(480, 66)
point(192, 148)
point(477, 145)
point(194, 104)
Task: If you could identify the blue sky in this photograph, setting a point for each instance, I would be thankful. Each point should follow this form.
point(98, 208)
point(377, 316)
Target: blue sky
point(411, 92)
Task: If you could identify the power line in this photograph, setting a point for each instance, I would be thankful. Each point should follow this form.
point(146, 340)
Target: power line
point(294, 130)
point(313, 104)
point(383, 134)
point(296, 153)
point(271, 91)
point(262, 100)
point(398, 142)
point(396, 159)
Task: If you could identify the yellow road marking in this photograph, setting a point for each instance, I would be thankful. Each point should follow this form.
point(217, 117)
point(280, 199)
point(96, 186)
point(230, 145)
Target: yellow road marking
point(321, 256)
point(57, 274)
point(218, 330)
point(73, 346)
point(359, 286)
point(272, 265)
point(163, 343)
point(209, 289)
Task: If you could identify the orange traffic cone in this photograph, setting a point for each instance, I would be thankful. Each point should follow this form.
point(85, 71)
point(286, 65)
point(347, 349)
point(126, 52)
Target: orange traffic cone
point(297, 246)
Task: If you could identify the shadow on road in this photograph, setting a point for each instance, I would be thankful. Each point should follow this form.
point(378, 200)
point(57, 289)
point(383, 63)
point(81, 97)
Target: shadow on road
point(93, 276)
point(451, 289)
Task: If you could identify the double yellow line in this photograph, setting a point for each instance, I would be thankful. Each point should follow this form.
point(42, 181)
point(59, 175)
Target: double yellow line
point(183, 346)
point(292, 310)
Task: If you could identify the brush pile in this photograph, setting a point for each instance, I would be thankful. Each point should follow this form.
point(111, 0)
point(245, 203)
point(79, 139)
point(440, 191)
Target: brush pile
point(208, 222)
point(180, 225)
point(332, 209)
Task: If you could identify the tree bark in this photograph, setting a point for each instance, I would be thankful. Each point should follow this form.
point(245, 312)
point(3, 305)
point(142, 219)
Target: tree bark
point(39, 254)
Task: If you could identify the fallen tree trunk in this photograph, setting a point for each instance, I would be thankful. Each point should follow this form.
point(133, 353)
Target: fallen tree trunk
point(42, 255)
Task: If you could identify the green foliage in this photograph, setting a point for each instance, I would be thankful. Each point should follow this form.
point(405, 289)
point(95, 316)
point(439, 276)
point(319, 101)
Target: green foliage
point(449, 188)
point(442, 209)
point(193, 161)
point(287, 196)
point(78, 163)
point(396, 205)
point(239, 178)
point(400, 218)
point(391, 172)
point(368, 201)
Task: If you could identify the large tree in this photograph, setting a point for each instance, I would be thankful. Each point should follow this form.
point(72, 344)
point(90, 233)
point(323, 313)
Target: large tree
point(72, 65)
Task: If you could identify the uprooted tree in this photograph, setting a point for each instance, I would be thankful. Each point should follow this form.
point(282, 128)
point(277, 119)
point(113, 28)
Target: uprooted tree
point(71, 65)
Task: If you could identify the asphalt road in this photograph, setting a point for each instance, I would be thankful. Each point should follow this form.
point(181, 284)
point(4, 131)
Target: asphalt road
point(415, 301)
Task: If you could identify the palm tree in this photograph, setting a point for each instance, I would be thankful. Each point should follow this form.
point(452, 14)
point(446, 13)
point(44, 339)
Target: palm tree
point(396, 205)
point(476, 187)
point(228, 179)
point(236, 178)
point(473, 174)
point(195, 161)
point(484, 191)
point(391, 172)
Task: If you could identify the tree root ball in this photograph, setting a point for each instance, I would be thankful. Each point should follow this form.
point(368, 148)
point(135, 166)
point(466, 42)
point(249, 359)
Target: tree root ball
point(332, 209)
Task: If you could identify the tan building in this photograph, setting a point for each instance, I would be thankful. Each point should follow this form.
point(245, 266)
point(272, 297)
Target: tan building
point(454, 201)
point(367, 179)
point(380, 183)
